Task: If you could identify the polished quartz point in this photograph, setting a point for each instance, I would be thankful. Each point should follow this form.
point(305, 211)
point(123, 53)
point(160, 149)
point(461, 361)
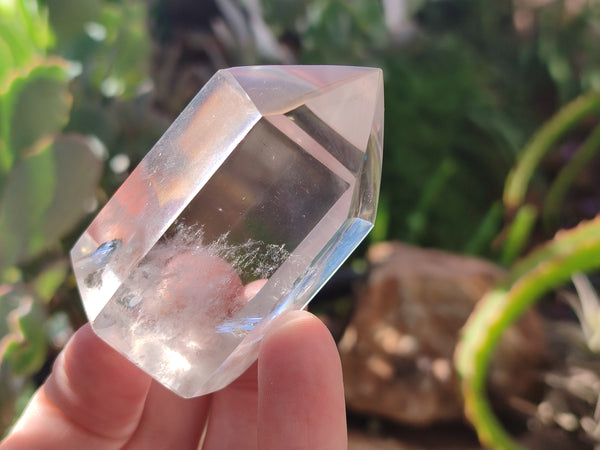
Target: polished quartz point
point(251, 200)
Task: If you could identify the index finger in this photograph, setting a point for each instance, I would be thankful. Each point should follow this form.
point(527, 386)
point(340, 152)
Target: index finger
point(93, 399)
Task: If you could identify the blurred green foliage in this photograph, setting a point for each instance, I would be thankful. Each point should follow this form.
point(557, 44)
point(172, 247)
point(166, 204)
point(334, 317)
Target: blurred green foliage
point(55, 57)
point(546, 268)
point(82, 83)
point(466, 83)
point(449, 137)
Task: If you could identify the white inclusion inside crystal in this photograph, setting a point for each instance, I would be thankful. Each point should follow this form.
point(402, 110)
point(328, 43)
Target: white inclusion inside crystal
point(164, 315)
point(252, 258)
point(251, 184)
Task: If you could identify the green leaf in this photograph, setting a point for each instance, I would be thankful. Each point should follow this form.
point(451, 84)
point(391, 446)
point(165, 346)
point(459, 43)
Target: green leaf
point(35, 22)
point(45, 196)
point(50, 279)
point(6, 60)
point(548, 267)
point(22, 50)
point(486, 232)
point(23, 346)
point(78, 172)
point(24, 29)
point(518, 233)
point(10, 300)
point(568, 175)
point(35, 106)
point(542, 142)
point(122, 61)
point(27, 195)
point(439, 180)
point(9, 393)
point(69, 16)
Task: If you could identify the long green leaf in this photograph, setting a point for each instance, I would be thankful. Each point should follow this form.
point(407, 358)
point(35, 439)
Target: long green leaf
point(23, 345)
point(567, 176)
point(518, 233)
point(576, 250)
point(541, 143)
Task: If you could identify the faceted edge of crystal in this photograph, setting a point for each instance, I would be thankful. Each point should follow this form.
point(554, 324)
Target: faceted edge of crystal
point(341, 256)
point(332, 254)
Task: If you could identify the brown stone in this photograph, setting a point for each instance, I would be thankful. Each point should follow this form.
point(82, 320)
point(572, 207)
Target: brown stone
point(397, 350)
point(434, 438)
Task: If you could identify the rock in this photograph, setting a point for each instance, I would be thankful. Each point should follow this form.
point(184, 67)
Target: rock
point(435, 438)
point(397, 350)
point(360, 441)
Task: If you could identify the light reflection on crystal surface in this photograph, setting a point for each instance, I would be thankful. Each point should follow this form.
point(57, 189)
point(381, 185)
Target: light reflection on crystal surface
point(247, 205)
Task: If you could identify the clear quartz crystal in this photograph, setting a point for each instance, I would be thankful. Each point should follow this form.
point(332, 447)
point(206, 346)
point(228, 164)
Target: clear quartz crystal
point(252, 199)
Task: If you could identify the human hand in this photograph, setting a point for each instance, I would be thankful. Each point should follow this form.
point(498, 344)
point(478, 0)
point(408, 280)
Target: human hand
point(292, 398)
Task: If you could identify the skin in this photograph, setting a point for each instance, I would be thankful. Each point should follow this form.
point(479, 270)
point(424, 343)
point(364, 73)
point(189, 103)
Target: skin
point(291, 398)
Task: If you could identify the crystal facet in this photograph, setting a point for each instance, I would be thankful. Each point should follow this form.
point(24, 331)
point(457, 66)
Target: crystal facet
point(252, 199)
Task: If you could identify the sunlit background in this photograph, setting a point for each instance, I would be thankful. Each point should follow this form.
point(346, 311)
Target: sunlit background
point(492, 135)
